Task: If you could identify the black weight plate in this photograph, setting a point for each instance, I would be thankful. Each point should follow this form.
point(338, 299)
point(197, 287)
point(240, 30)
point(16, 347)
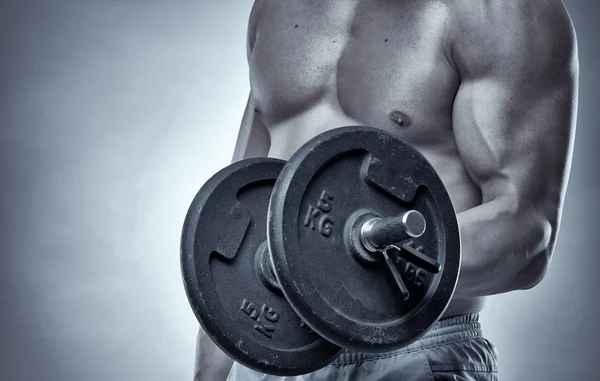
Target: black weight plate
point(315, 202)
point(223, 236)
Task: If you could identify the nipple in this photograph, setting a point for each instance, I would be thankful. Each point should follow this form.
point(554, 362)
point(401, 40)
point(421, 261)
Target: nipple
point(399, 118)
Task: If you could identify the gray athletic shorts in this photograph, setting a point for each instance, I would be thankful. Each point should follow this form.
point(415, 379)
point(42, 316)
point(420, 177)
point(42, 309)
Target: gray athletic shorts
point(453, 349)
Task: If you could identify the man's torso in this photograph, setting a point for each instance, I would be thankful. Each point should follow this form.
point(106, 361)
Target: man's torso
point(318, 65)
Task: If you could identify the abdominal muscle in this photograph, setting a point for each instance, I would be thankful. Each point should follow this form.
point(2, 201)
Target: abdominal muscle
point(291, 133)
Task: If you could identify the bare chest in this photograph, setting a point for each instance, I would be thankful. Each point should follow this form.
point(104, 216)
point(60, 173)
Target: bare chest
point(380, 63)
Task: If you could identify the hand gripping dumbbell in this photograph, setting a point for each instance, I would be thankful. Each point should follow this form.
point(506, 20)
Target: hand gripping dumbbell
point(353, 242)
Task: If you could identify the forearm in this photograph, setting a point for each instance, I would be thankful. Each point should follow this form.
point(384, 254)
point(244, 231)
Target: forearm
point(253, 140)
point(211, 363)
point(504, 248)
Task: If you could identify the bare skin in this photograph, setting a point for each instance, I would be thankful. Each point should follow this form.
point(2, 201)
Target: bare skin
point(486, 91)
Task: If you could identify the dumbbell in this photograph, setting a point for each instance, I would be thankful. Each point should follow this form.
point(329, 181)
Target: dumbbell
point(351, 243)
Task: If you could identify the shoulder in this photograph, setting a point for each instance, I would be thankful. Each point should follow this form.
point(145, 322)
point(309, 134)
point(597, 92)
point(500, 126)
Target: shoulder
point(515, 36)
point(253, 19)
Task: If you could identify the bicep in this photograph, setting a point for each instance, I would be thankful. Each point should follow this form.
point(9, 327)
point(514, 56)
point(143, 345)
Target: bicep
point(514, 113)
point(253, 138)
point(514, 141)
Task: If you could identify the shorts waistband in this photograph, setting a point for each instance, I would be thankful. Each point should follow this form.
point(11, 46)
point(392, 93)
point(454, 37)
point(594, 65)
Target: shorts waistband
point(445, 331)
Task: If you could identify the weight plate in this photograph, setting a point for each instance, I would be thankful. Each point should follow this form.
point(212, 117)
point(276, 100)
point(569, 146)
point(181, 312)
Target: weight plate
point(321, 195)
point(226, 272)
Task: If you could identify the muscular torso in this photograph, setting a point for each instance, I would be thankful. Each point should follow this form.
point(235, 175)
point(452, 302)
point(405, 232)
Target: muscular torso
point(318, 65)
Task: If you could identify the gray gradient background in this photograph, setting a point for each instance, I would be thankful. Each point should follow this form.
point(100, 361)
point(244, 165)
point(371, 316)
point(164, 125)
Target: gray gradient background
point(113, 114)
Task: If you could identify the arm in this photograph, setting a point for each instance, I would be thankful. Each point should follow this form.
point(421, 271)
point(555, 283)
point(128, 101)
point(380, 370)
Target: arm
point(253, 137)
point(514, 122)
point(253, 140)
point(212, 364)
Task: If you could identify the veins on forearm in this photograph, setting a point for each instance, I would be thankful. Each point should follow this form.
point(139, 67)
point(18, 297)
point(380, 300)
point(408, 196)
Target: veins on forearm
point(503, 248)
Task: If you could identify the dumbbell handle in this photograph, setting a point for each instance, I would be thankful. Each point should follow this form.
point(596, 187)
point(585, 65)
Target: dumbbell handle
point(377, 233)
